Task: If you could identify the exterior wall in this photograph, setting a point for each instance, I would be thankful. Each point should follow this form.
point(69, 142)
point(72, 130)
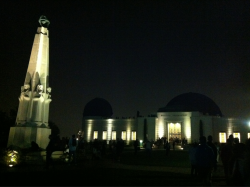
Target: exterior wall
point(150, 127)
point(241, 126)
point(109, 125)
point(157, 127)
point(219, 125)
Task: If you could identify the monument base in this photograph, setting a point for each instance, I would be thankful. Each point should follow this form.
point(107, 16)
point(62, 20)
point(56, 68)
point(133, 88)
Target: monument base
point(23, 136)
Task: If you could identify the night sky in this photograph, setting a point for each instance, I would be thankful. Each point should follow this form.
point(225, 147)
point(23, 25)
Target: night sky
point(138, 55)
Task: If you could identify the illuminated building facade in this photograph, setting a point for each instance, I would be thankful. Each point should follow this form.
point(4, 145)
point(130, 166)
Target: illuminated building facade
point(188, 116)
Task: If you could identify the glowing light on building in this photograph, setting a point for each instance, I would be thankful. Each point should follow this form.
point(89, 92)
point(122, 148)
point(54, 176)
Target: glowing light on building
point(110, 125)
point(236, 135)
point(128, 134)
point(113, 135)
point(230, 126)
point(187, 128)
point(133, 135)
point(104, 135)
point(95, 136)
point(161, 130)
point(89, 129)
point(124, 135)
point(223, 137)
point(174, 130)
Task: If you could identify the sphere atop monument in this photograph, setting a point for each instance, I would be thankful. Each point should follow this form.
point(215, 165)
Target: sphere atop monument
point(189, 102)
point(44, 22)
point(98, 107)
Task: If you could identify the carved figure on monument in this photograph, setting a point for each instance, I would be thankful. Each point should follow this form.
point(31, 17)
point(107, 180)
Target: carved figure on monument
point(25, 90)
point(39, 89)
point(49, 91)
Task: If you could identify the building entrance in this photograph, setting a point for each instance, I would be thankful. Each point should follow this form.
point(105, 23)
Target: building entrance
point(174, 131)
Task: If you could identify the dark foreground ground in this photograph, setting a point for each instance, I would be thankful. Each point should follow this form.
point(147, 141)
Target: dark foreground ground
point(156, 169)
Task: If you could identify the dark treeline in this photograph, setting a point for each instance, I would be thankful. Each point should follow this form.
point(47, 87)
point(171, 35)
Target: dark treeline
point(7, 120)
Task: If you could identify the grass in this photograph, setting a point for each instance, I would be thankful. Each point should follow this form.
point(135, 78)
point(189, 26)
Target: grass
point(157, 158)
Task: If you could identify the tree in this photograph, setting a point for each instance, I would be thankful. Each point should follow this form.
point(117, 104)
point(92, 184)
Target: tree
point(6, 121)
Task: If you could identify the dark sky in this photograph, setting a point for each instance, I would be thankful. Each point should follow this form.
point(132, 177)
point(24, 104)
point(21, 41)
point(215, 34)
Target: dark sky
point(138, 55)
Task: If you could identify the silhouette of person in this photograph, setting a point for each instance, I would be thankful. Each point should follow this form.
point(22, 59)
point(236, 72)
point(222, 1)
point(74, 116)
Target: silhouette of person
point(72, 148)
point(205, 161)
point(192, 152)
point(119, 148)
point(239, 153)
point(173, 144)
point(148, 147)
point(214, 148)
point(227, 159)
point(246, 176)
point(136, 146)
point(49, 150)
point(167, 147)
point(34, 146)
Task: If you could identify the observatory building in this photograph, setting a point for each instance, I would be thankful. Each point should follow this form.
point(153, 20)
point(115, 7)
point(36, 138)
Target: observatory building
point(188, 116)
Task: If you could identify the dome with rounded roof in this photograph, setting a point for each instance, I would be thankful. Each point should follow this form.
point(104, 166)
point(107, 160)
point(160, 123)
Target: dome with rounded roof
point(188, 102)
point(98, 107)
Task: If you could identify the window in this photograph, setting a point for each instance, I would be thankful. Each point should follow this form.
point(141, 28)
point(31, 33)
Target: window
point(236, 135)
point(113, 135)
point(95, 134)
point(104, 135)
point(124, 137)
point(248, 135)
point(133, 135)
point(222, 136)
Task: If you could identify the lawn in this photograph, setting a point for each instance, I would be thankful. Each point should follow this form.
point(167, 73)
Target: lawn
point(156, 158)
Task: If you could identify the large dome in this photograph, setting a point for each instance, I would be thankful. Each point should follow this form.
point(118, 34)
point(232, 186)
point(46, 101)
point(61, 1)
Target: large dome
point(98, 107)
point(188, 102)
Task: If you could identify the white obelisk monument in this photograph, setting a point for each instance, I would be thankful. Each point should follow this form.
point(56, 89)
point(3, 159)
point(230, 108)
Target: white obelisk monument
point(33, 111)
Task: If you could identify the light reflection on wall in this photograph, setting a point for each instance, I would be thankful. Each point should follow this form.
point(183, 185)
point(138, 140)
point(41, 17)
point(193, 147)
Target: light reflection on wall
point(128, 136)
point(109, 129)
point(160, 130)
point(89, 129)
point(230, 127)
point(187, 130)
point(128, 132)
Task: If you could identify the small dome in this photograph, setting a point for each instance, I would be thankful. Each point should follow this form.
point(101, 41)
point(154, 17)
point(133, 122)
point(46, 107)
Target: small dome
point(98, 107)
point(188, 102)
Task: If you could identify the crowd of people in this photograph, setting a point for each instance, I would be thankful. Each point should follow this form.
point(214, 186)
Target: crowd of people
point(235, 157)
point(204, 155)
